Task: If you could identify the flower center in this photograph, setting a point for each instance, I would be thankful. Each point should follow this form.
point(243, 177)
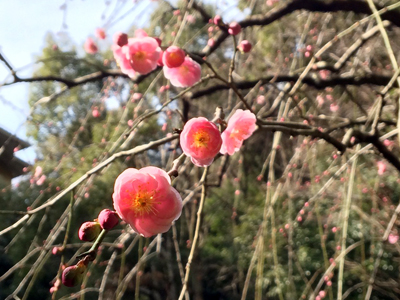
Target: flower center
point(140, 55)
point(143, 202)
point(201, 139)
point(183, 70)
point(238, 133)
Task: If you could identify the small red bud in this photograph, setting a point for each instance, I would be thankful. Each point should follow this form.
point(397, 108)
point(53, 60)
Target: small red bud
point(217, 20)
point(121, 39)
point(108, 219)
point(89, 231)
point(244, 46)
point(73, 275)
point(234, 28)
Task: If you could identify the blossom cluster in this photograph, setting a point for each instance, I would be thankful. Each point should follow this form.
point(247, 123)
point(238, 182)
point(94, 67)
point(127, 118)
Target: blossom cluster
point(143, 54)
point(202, 141)
point(146, 200)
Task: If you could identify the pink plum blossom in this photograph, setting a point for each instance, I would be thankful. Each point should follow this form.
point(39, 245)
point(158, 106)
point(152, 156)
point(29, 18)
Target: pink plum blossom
point(38, 171)
point(142, 54)
point(381, 167)
point(95, 113)
point(240, 127)
point(122, 61)
point(41, 180)
point(173, 57)
point(334, 107)
point(393, 238)
point(260, 99)
point(185, 75)
point(90, 46)
point(146, 200)
point(100, 33)
point(140, 33)
point(201, 141)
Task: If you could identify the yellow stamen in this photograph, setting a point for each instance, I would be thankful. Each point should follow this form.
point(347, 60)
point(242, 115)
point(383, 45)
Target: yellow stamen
point(140, 55)
point(143, 201)
point(201, 139)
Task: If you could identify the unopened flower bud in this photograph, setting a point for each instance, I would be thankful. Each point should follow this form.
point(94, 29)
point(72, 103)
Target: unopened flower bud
point(244, 46)
point(108, 219)
point(89, 231)
point(73, 275)
point(217, 20)
point(234, 28)
point(121, 39)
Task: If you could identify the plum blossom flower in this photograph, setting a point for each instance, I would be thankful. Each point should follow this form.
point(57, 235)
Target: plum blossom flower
point(90, 46)
point(201, 141)
point(173, 57)
point(142, 53)
point(240, 127)
point(122, 61)
point(41, 180)
point(140, 33)
point(185, 75)
point(393, 238)
point(100, 33)
point(381, 167)
point(38, 171)
point(146, 200)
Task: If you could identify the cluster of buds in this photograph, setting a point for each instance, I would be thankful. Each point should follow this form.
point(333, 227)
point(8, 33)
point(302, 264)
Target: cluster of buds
point(89, 231)
point(106, 220)
point(233, 28)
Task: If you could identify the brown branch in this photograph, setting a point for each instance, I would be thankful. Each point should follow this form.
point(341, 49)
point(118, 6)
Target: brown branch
point(311, 80)
point(313, 132)
point(374, 140)
point(356, 6)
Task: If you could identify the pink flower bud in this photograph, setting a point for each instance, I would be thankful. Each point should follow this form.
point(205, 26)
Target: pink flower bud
point(100, 33)
point(234, 28)
point(121, 39)
point(90, 46)
point(173, 57)
point(73, 275)
point(89, 231)
point(217, 20)
point(211, 42)
point(95, 113)
point(108, 219)
point(244, 46)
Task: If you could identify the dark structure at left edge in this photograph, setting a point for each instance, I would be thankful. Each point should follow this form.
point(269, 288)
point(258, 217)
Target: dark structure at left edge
point(10, 166)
